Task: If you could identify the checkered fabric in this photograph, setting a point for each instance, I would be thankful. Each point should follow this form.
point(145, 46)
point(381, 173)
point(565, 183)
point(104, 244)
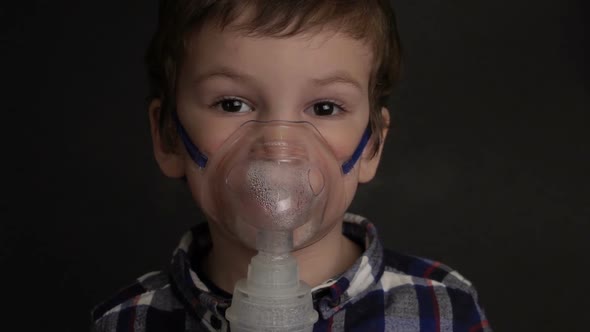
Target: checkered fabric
point(382, 291)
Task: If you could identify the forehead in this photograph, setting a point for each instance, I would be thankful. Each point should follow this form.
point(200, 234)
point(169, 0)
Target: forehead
point(311, 53)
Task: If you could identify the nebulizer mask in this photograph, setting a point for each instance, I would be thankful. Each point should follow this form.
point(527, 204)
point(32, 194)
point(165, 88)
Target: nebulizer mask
point(271, 184)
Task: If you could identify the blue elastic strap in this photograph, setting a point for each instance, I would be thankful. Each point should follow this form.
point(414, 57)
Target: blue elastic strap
point(196, 155)
point(358, 152)
point(201, 160)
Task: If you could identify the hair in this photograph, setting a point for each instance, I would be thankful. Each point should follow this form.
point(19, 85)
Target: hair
point(372, 21)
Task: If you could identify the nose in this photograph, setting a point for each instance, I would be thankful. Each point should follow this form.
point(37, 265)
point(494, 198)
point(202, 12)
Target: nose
point(276, 132)
point(279, 140)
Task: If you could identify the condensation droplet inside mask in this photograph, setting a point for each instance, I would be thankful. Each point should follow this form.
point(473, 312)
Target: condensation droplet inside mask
point(278, 194)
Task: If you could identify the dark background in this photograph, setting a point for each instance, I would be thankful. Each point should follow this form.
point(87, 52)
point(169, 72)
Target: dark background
point(486, 169)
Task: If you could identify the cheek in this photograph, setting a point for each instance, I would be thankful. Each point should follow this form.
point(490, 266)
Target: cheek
point(209, 138)
point(350, 185)
point(208, 142)
point(343, 143)
point(344, 136)
point(207, 129)
point(194, 178)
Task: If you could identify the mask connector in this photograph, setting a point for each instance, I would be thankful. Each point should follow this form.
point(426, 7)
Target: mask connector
point(272, 298)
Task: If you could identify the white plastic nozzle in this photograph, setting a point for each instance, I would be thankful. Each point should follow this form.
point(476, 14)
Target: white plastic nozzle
point(272, 298)
point(261, 306)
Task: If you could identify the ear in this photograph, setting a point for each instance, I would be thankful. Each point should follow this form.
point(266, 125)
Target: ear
point(368, 162)
point(171, 163)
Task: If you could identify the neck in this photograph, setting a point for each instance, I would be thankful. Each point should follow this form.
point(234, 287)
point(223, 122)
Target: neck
point(332, 255)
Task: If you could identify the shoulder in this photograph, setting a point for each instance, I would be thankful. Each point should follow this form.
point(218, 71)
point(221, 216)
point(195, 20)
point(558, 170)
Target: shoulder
point(434, 290)
point(424, 271)
point(150, 297)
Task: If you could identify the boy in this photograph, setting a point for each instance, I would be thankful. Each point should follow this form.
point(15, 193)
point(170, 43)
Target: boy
point(217, 64)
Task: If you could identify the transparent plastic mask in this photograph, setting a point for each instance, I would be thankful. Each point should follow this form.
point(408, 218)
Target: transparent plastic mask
point(274, 182)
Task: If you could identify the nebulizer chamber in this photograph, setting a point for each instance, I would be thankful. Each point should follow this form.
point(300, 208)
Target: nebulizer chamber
point(270, 185)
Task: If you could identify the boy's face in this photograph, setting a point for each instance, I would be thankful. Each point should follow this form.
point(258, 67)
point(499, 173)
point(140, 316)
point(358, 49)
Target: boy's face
point(228, 78)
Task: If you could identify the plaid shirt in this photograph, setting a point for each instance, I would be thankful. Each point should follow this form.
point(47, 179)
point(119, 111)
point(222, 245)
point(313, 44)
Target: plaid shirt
point(382, 291)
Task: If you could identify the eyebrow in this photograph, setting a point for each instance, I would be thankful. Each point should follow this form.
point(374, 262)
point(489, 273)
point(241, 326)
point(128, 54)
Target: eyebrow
point(224, 72)
point(339, 77)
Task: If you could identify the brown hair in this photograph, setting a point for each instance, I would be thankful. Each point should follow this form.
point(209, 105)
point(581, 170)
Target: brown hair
point(371, 20)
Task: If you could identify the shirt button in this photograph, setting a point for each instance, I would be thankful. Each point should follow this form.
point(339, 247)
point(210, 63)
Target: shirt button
point(334, 303)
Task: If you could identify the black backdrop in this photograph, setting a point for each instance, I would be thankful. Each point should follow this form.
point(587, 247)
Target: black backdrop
point(486, 168)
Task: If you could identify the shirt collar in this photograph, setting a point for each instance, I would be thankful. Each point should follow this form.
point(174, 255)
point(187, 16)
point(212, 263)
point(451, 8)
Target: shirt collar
point(335, 294)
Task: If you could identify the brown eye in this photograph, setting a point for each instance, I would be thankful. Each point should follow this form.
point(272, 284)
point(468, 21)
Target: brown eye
point(326, 108)
point(233, 105)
